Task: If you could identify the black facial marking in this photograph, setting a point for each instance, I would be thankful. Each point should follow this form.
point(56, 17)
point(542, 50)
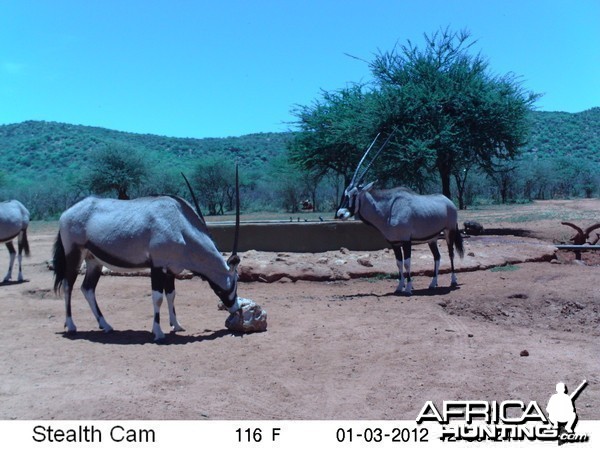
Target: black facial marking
point(344, 202)
point(227, 296)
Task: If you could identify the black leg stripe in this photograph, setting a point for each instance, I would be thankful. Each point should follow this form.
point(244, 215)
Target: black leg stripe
point(169, 283)
point(435, 251)
point(157, 279)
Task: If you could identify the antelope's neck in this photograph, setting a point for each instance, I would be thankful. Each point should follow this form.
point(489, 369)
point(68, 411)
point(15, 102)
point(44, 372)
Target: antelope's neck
point(366, 210)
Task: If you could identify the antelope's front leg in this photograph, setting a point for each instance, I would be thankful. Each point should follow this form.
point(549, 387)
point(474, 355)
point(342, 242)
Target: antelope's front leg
point(401, 280)
point(406, 252)
point(158, 279)
point(157, 299)
point(403, 286)
point(170, 294)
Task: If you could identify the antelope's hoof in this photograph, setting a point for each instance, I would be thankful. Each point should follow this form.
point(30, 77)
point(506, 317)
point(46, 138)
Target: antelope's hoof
point(70, 327)
point(103, 324)
point(176, 327)
point(400, 289)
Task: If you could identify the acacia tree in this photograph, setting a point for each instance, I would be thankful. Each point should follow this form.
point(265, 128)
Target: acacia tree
point(450, 115)
point(445, 101)
point(215, 183)
point(334, 132)
point(116, 167)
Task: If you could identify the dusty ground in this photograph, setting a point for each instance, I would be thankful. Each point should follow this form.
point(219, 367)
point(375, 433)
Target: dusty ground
point(339, 349)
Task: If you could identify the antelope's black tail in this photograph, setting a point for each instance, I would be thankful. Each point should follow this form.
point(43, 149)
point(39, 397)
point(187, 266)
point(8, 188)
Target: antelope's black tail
point(59, 263)
point(23, 242)
point(458, 242)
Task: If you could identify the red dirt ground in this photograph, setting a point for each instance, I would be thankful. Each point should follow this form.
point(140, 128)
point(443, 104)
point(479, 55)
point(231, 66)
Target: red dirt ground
point(339, 349)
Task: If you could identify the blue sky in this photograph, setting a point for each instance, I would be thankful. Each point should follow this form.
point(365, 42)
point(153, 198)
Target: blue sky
point(226, 68)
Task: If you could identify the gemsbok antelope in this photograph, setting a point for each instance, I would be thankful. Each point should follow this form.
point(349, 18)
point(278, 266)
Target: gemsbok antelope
point(162, 233)
point(14, 220)
point(404, 218)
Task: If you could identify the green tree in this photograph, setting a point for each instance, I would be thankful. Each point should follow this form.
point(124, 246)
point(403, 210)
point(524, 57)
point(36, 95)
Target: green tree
point(215, 183)
point(116, 167)
point(334, 132)
point(443, 99)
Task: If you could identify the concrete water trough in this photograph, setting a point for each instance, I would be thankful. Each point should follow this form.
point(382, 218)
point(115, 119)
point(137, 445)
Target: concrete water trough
point(299, 237)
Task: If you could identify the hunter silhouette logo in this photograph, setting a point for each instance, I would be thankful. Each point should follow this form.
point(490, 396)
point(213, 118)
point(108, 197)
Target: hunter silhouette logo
point(561, 410)
point(510, 420)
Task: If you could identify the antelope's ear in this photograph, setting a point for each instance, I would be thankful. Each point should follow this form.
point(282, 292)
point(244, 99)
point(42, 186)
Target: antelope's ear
point(366, 187)
point(233, 261)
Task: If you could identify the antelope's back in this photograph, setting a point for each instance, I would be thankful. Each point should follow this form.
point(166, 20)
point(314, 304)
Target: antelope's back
point(124, 227)
point(424, 215)
point(14, 218)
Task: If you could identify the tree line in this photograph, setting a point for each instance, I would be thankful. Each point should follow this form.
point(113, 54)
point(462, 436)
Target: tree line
point(456, 128)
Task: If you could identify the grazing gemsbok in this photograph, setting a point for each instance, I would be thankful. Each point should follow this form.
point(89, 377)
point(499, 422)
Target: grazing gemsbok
point(162, 233)
point(14, 219)
point(403, 217)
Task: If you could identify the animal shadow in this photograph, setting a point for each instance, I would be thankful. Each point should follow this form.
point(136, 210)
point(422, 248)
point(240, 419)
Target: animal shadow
point(427, 292)
point(519, 232)
point(12, 282)
point(139, 337)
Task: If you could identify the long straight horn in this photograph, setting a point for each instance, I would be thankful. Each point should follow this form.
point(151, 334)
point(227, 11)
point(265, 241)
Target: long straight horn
point(362, 159)
point(359, 180)
point(194, 199)
point(237, 213)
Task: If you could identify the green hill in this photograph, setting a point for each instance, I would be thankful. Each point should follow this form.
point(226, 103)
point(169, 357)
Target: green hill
point(42, 162)
point(35, 148)
point(565, 134)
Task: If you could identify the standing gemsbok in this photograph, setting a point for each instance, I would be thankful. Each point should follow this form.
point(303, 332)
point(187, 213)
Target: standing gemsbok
point(162, 233)
point(404, 218)
point(14, 219)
